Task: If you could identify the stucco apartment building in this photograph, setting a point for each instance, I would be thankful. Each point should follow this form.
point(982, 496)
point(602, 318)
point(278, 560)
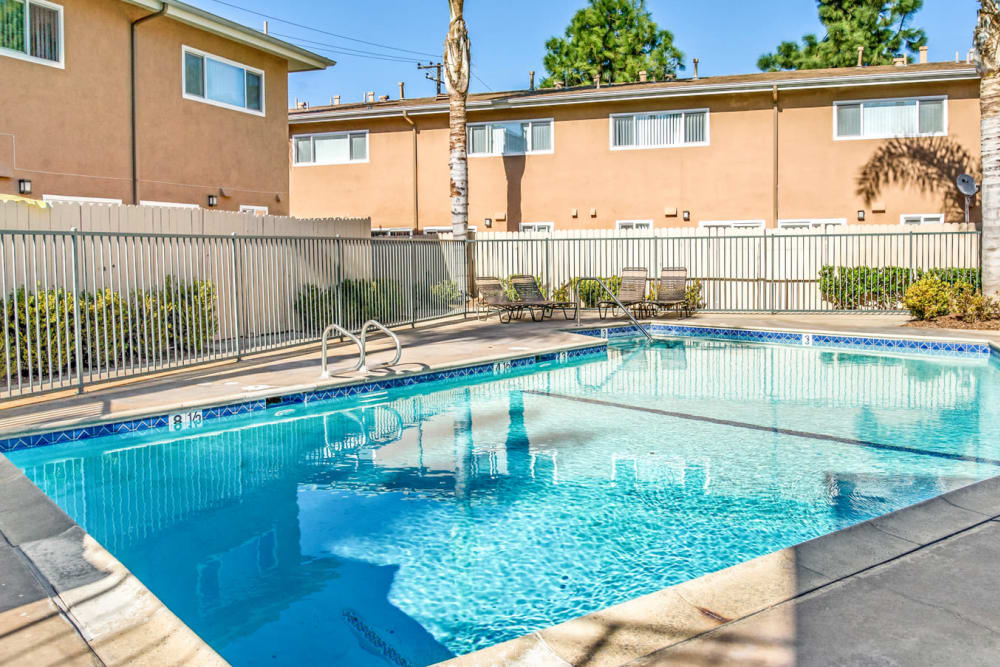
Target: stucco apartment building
point(867, 145)
point(209, 105)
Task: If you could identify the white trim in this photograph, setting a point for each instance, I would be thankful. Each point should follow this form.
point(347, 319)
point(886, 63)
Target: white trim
point(313, 135)
point(18, 55)
point(792, 223)
point(166, 204)
point(298, 59)
point(938, 219)
point(546, 227)
point(69, 199)
point(437, 229)
point(647, 224)
point(897, 75)
point(683, 112)
point(204, 72)
point(552, 136)
point(916, 98)
point(255, 210)
point(392, 231)
point(731, 224)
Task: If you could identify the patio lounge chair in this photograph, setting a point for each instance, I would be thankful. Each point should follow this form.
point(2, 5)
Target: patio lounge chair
point(670, 290)
point(493, 299)
point(631, 292)
point(532, 298)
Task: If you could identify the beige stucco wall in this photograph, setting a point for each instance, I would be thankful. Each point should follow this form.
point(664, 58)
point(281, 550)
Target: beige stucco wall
point(70, 127)
point(731, 179)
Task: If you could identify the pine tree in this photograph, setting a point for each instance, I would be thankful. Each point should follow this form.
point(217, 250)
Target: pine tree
point(882, 27)
point(612, 39)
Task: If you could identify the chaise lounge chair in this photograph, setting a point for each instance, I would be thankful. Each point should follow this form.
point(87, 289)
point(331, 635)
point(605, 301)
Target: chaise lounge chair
point(631, 292)
point(493, 299)
point(670, 291)
point(532, 298)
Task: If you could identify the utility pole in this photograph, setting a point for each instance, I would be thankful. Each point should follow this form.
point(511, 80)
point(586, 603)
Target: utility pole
point(436, 78)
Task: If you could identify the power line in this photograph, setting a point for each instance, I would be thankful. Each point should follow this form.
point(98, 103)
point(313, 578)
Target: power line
point(325, 32)
point(336, 48)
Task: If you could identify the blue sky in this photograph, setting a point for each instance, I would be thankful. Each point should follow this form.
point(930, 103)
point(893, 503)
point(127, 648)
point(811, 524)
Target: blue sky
point(508, 36)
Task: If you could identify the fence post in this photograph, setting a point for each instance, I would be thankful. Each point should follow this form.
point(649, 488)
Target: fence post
point(234, 283)
point(548, 267)
point(413, 284)
point(770, 269)
point(339, 286)
point(76, 313)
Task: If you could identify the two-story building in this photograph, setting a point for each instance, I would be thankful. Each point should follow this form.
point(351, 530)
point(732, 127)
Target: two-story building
point(800, 149)
point(143, 101)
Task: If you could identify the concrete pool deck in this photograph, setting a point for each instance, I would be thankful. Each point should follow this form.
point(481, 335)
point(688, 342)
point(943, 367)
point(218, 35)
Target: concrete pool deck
point(64, 599)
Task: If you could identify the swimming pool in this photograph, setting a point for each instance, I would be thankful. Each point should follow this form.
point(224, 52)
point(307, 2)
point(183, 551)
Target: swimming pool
point(407, 526)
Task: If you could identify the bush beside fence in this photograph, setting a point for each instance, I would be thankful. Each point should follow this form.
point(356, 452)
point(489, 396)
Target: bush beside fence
point(881, 288)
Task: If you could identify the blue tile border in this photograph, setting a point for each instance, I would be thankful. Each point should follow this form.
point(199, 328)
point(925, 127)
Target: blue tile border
point(937, 348)
point(498, 368)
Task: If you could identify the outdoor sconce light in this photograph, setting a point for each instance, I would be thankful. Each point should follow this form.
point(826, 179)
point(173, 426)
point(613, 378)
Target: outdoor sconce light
point(488, 222)
point(213, 200)
point(687, 216)
point(24, 186)
point(861, 216)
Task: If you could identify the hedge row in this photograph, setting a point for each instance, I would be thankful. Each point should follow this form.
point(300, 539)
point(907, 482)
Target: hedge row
point(880, 288)
point(385, 300)
point(142, 326)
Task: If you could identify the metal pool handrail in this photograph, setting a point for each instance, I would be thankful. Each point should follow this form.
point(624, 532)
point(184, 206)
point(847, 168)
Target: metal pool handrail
point(325, 373)
point(395, 339)
point(625, 310)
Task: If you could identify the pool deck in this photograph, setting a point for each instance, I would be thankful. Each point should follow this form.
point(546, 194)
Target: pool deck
point(913, 587)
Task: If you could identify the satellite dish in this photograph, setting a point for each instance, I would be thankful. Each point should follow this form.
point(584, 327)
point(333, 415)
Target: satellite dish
point(967, 185)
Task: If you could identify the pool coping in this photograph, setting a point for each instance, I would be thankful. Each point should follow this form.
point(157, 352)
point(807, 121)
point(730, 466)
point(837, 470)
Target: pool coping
point(641, 626)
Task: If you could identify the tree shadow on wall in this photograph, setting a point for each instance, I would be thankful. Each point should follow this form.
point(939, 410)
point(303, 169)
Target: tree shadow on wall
point(513, 166)
point(929, 163)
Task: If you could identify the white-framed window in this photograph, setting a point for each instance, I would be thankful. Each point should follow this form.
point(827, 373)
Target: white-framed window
point(69, 199)
point(893, 117)
point(811, 223)
point(32, 30)
point(221, 82)
point(330, 148)
point(256, 210)
point(536, 226)
point(921, 219)
point(659, 129)
point(632, 225)
point(167, 204)
point(516, 137)
point(392, 232)
point(435, 230)
point(731, 224)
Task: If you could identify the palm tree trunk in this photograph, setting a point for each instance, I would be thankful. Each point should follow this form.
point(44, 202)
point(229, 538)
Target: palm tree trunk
point(457, 68)
point(987, 40)
point(989, 105)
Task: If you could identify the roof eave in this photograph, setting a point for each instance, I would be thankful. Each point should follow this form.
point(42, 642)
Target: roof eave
point(299, 59)
point(673, 90)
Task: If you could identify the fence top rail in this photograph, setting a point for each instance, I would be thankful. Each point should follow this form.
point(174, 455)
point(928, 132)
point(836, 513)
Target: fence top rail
point(769, 235)
point(216, 237)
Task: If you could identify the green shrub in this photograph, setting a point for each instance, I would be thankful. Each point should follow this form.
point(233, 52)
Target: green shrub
point(591, 292)
point(177, 318)
point(928, 298)
point(446, 292)
point(880, 288)
point(972, 306)
point(692, 296)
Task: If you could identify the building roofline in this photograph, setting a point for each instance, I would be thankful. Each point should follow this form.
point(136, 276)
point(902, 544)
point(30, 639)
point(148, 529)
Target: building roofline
point(723, 85)
point(299, 59)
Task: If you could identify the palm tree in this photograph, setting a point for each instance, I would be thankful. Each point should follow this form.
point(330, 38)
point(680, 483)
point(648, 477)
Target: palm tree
point(987, 41)
point(456, 76)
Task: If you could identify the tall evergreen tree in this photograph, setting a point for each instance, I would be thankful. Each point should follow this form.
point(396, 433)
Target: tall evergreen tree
point(612, 39)
point(882, 27)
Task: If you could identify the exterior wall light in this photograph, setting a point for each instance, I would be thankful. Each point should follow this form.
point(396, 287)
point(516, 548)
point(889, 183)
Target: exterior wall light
point(213, 200)
point(861, 216)
point(488, 222)
point(24, 186)
point(687, 216)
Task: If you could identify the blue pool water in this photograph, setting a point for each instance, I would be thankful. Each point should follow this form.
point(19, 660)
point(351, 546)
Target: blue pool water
point(408, 527)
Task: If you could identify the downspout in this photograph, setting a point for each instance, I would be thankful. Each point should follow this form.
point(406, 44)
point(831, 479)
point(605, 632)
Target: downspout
point(135, 171)
point(416, 201)
point(774, 99)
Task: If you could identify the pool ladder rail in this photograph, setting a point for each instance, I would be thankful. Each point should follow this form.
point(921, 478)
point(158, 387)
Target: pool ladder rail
point(362, 344)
